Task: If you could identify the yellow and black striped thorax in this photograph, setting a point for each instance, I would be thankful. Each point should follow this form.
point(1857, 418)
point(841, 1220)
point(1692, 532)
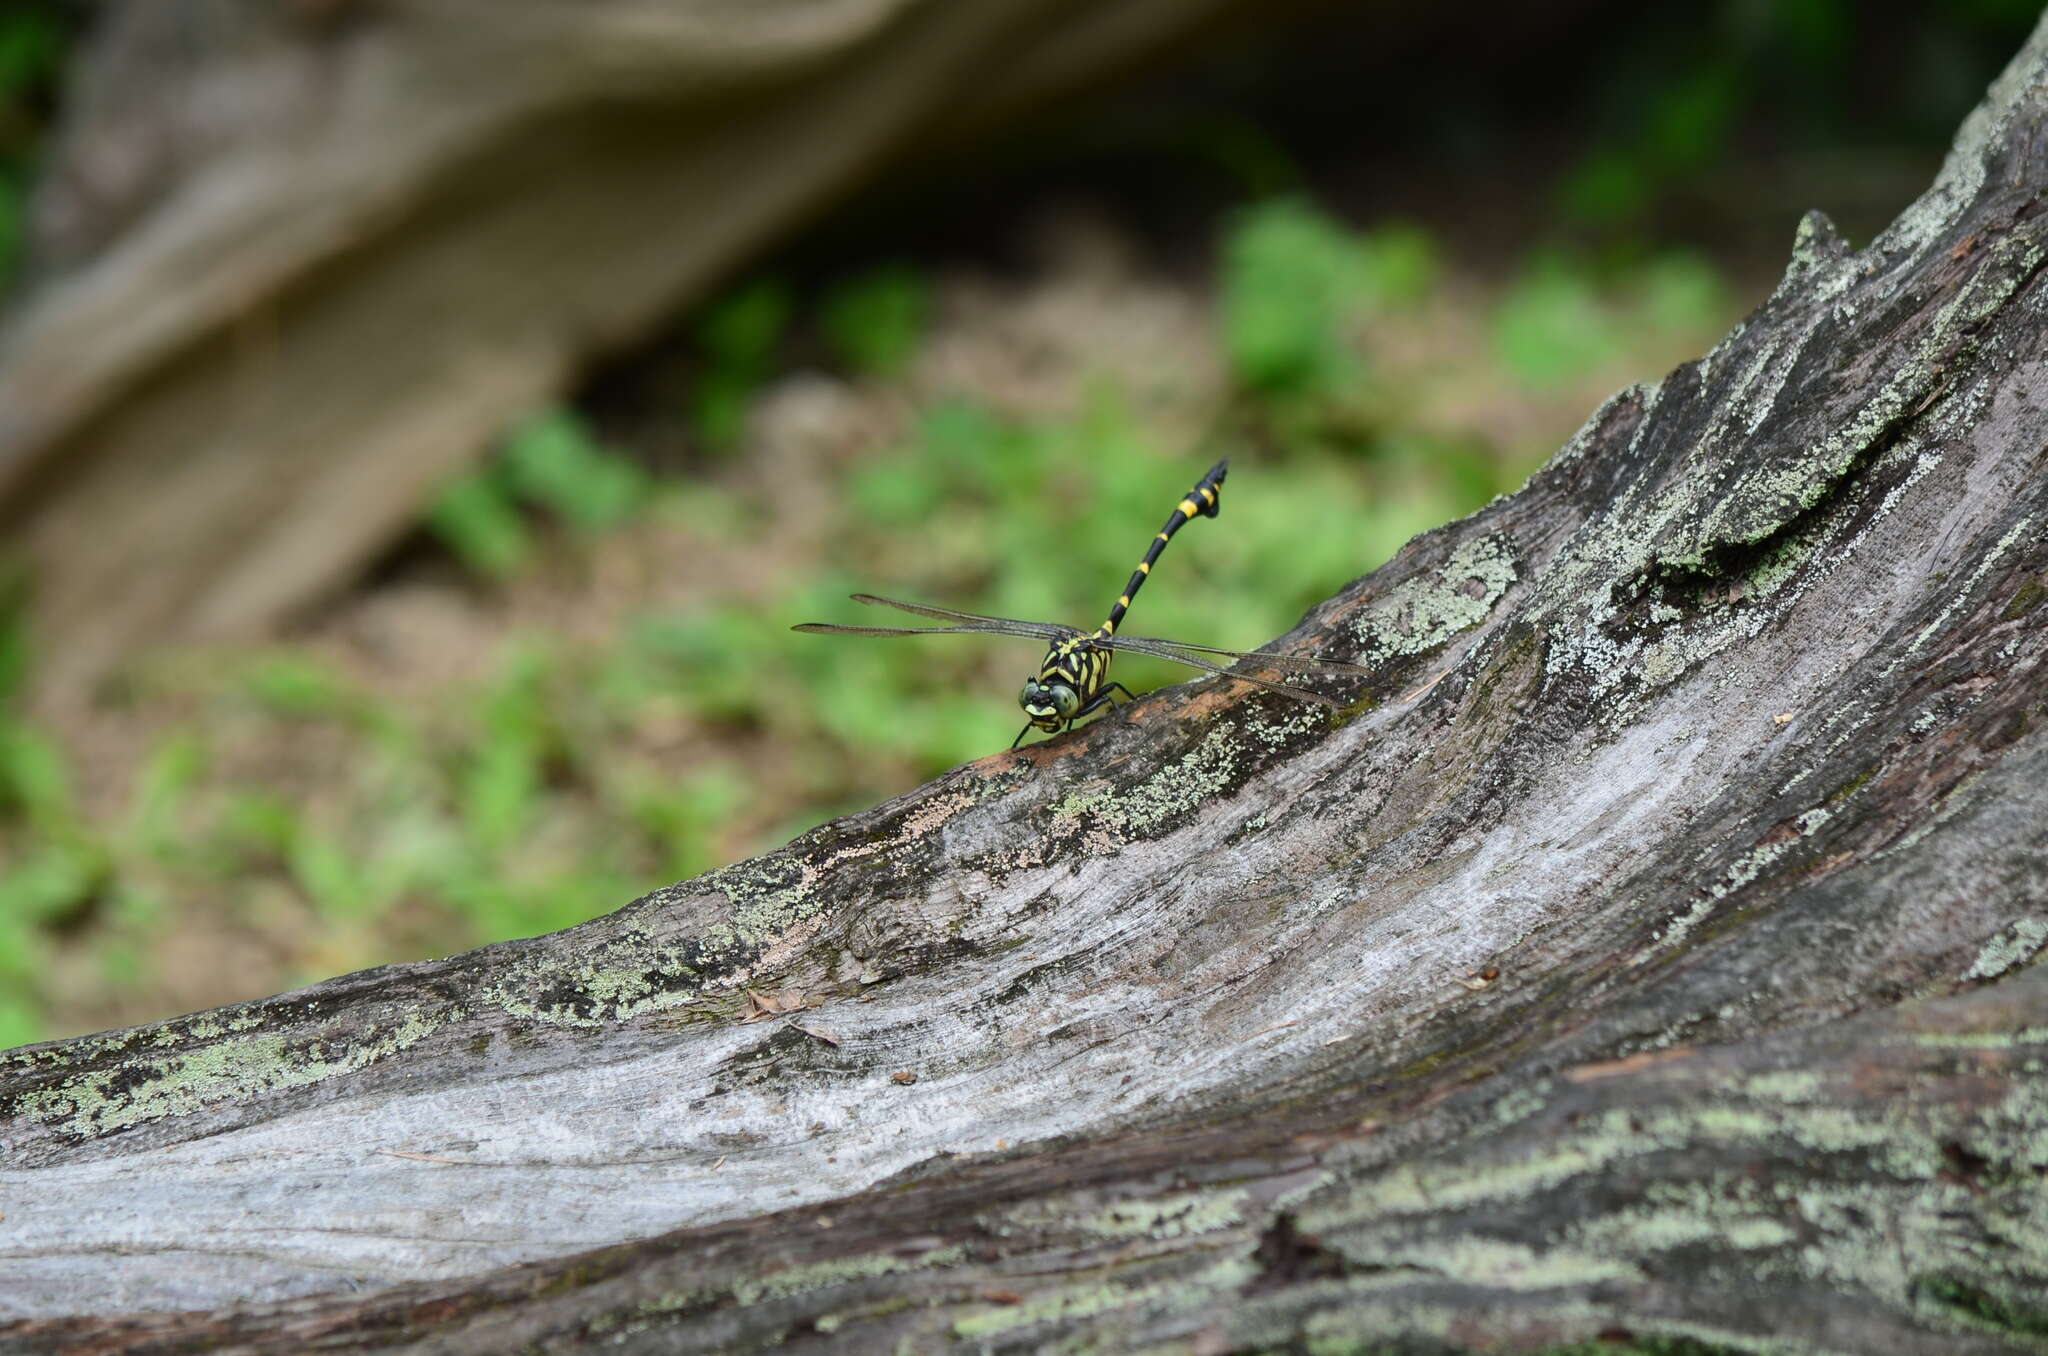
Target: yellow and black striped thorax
point(1071, 678)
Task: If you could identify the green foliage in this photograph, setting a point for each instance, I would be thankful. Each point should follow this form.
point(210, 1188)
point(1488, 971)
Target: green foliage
point(167, 777)
point(681, 814)
point(35, 778)
point(1399, 264)
point(554, 462)
point(331, 877)
point(1681, 293)
point(874, 322)
point(21, 1023)
point(14, 641)
point(31, 50)
point(551, 462)
point(297, 685)
point(1559, 321)
point(477, 520)
point(738, 337)
point(1551, 327)
point(31, 45)
point(1289, 276)
point(1301, 294)
point(502, 773)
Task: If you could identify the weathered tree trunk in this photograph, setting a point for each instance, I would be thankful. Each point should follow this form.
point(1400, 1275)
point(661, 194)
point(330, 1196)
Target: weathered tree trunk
point(1648, 957)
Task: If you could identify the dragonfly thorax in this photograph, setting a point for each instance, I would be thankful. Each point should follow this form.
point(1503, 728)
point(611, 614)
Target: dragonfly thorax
point(1068, 678)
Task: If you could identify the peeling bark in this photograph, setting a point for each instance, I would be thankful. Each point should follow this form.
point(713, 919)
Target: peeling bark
point(1645, 959)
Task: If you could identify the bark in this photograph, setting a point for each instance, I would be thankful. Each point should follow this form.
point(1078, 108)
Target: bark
point(1645, 960)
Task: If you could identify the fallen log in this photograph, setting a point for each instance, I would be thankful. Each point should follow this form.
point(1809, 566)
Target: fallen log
point(1645, 958)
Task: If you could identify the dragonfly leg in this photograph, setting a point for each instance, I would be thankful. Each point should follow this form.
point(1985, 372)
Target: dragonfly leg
point(1106, 697)
point(1020, 735)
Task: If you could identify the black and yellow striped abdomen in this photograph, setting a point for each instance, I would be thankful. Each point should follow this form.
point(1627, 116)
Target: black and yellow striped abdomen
point(1203, 501)
point(1073, 679)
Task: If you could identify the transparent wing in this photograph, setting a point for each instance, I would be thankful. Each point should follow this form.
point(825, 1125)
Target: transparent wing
point(1008, 626)
point(832, 629)
point(1162, 652)
point(1155, 644)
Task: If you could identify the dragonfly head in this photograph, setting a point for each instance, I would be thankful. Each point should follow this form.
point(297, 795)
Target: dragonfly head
point(1050, 705)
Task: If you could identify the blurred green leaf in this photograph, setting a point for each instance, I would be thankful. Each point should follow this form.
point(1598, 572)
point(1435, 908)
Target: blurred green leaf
point(554, 461)
point(684, 817)
point(328, 874)
point(893, 494)
point(298, 685)
point(35, 777)
point(1609, 187)
point(13, 223)
point(1399, 263)
point(738, 337)
point(30, 47)
point(874, 322)
point(257, 822)
point(477, 520)
point(1683, 294)
point(744, 327)
point(58, 879)
point(501, 784)
point(1551, 327)
point(1691, 120)
point(14, 642)
point(1288, 273)
point(503, 772)
point(162, 785)
point(21, 1022)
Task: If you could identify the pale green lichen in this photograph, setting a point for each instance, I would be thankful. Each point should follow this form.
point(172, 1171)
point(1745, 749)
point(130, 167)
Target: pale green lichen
point(233, 1070)
point(1212, 1284)
point(625, 979)
point(1709, 1216)
point(1786, 1085)
point(1167, 1217)
point(1175, 789)
point(1424, 612)
point(2013, 947)
point(1766, 499)
point(1983, 1040)
point(1513, 1266)
point(1752, 864)
point(770, 900)
point(799, 1280)
point(2023, 530)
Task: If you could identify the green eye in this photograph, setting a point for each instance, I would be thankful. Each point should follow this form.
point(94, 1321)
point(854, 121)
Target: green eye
point(1030, 692)
point(1065, 700)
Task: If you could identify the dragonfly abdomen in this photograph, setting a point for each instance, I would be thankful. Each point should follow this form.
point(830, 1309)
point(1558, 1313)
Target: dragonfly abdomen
point(1202, 501)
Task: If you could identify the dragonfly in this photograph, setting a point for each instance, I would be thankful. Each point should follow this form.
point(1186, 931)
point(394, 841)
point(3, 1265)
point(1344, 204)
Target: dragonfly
point(1073, 679)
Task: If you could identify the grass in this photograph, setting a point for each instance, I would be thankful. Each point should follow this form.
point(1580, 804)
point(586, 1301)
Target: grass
point(272, 816)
